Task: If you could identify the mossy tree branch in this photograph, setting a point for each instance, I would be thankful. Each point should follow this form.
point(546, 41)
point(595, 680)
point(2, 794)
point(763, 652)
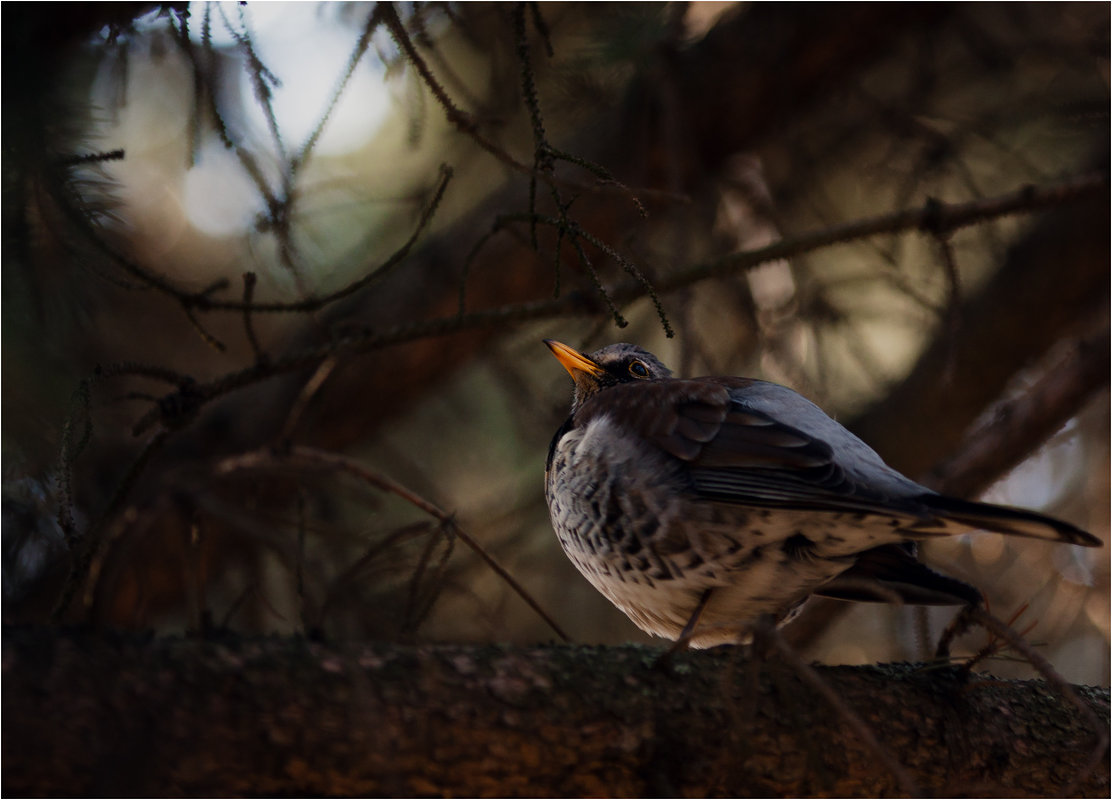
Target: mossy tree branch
point(286, 716)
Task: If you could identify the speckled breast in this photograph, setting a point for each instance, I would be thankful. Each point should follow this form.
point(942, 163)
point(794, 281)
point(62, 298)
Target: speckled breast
point(623, 515)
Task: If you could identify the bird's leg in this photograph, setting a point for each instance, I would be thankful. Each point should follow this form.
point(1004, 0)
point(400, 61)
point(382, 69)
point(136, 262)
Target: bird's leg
point(684, 640)
point(764, 633)
point(689, 628)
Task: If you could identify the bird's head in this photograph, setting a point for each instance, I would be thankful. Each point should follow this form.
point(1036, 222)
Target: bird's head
point(608, 366)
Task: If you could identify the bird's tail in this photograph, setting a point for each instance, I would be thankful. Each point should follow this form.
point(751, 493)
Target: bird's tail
point(969, 514)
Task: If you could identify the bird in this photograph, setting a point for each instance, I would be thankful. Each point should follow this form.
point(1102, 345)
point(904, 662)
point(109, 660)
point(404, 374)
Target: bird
point(701, 506)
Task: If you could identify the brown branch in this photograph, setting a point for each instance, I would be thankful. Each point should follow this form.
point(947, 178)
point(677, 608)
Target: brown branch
point(308, 391)
point(204, 77)
point(285, 716)
point(84, 551)
point(350, 576)
point(202, 300)
point(68, 453)
point(374, 276)
point(302, 156)
point(825, 689)
point(364, 341)
point(1017, 426)
point(934, 216)
point(177, 409)
point(249, 282)
point(543, 163)
point(261, 78)
point(466, 124)
point(1026, 307)
point(1099, 750)
point(460, 119)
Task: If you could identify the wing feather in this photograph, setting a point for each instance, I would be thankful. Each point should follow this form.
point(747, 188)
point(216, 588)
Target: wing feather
point(736, 453)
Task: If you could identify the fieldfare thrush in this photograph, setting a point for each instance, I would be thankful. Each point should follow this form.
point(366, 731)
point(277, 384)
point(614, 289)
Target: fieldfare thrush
point(721, 500)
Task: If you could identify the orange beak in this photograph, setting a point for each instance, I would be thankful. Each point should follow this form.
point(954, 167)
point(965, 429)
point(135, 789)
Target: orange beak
point(573, 361)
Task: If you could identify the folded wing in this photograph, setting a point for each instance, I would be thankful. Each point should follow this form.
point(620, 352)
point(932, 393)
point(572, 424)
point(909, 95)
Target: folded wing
point(738, 453)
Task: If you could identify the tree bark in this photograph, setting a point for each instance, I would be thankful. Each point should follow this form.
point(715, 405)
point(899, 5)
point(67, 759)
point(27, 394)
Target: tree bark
point(93, 714)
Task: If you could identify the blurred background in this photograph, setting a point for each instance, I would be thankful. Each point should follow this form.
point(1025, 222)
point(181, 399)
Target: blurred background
point(154, 155)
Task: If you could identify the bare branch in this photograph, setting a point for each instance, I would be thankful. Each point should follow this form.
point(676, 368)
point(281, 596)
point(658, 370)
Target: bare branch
point(572, 303)
point(1099, 751)
point(844, 712)
point(85, 550)
point(302, 156)
point(334, 461)
point(1015, 427)
point(934, 217)
point(249, 282)
point(460, 119)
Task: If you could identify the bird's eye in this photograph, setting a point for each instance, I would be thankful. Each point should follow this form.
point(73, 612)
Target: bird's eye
point(638, 369)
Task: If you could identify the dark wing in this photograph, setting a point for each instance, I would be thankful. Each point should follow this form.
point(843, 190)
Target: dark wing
point(1005, 519)
point(892, 573)
point(736, 454)
point(757, 460)
point(739, 455)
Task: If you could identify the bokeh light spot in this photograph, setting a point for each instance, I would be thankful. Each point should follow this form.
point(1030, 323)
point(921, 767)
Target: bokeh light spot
point(218, 197)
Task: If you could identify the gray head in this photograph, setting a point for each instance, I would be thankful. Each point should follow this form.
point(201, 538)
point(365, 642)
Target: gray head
point(607, 366)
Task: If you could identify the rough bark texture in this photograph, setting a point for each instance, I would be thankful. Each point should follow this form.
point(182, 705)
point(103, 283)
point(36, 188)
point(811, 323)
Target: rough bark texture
point(90, 714)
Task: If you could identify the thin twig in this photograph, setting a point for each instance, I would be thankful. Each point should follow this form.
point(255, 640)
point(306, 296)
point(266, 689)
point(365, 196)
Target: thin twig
point(994, 646)
point(632, 269)
point(249, 281)
point(351, 573)
point(574, 302)
point(262, 78)
point(576, 232)
point(543, 163)
point(542, 28)
point(70, 450)
point(939, 216)
point(93, 158)
point(863, 731)
point(619, 320)
point(203, 75)
point(417, 609)
point(357, 54)
point(308, 392)
point(335, 461)
point(465, 123)
point(83, 558)
point(374, 276)
point(299, 569)
point(460, 119)
point(1044, 668)
point(202, 300)
point(207, 337)
point(953, 302)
